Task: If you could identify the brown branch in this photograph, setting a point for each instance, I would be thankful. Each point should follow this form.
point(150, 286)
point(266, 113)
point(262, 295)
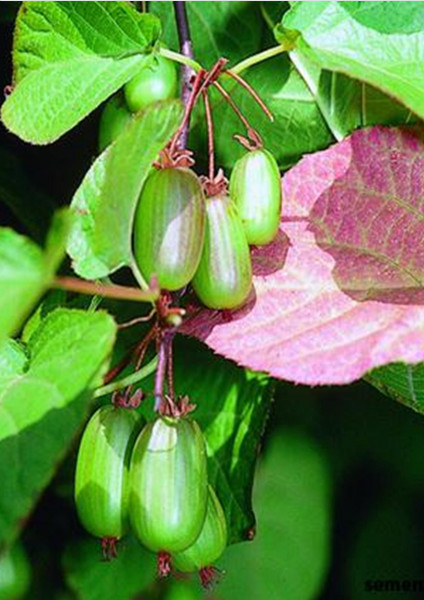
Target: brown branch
point(91, 288)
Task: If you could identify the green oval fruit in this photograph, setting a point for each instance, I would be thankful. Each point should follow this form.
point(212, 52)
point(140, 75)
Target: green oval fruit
point(169, 227)
point(102, 474)
point(15, 573)
point(211, 542)
point(114, 118)
point(168, 484)
point(255, 187)
point(156, 81)
point(224, 276)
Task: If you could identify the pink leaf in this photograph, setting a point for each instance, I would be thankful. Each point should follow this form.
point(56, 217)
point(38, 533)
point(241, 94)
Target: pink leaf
point(340, 291)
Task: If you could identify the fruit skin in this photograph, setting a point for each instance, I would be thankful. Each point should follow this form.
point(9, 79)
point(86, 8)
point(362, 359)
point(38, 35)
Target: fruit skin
point(255, 187)
point(15, 573)
point(113, 120)
point(169, 227)
point(168, 484)
point(224, 276)
point(156, 81)
point(211, 542)
point(102, 474)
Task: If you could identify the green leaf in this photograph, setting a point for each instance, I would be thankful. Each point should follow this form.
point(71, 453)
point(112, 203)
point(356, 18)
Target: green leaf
point(92, 578)
point(68, 57)
point(44, 403)
point(346, 103)
point(25, 271)
point(13, 360)
point(388, 56)
point(212, 26)
point(232, 406)
point(292, 548)
point(31, 207)
point(100, 242)
point(404, 383)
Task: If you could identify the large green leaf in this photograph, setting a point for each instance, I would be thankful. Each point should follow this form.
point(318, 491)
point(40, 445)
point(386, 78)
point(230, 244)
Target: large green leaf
point(232, 406)
point(68, 57)
point(346, 103)
point(91, 578)
point(105, 202)
point(26, 271)
point(43, 402)
point(404, 383)
point(366, 42)
point(292, 547)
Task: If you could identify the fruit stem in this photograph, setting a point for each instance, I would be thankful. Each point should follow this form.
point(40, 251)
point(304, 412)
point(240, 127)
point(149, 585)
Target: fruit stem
point(260, 57)
point(197, 84)
point(162, 369)
point(252, 92)
point(170, 371)
point(233, 105)
point(127, 381)
point(209, 123)
point(181, 59)
point(139, 277)
point(91, 288)
point(186, 49)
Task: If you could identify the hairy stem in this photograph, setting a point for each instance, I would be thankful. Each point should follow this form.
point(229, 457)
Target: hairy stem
point(91, 288)
point(209, 122)
point(233, 105)
point(252, 92)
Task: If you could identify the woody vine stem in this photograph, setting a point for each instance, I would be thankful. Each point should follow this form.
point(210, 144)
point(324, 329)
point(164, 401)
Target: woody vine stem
point(164, 369)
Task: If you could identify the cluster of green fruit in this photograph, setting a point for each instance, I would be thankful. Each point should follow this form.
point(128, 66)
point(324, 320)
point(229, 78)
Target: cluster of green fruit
point(15, 573)
point(180, 235)
point(154, 479)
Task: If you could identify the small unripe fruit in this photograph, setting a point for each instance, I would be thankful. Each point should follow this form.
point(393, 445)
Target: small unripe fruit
point(156, 81)
point(102, 474)
point(169, 227)
point(15, 573)
point(114, 118)
point(224, 276)
point(255, 187)
point(211, 542)
point(168, 484)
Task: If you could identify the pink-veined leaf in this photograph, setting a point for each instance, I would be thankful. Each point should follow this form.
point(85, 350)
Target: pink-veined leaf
point(340, 291)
